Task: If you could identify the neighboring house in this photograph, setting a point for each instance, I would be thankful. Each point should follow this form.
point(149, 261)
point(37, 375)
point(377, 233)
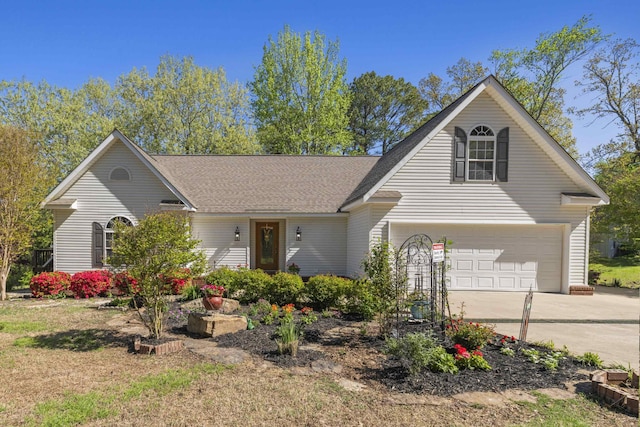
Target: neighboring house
point(482, 172)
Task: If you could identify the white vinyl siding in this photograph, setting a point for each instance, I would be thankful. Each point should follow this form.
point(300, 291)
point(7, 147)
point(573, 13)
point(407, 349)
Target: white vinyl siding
point(217, 240)
point(323, 248)
point(358, 238)
point(99, 199)
point(531, 196)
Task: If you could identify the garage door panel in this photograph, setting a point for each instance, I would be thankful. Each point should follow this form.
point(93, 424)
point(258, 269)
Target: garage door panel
point(509, 257)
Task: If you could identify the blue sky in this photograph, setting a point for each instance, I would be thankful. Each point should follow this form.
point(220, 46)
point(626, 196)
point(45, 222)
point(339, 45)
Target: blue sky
point(67, 42)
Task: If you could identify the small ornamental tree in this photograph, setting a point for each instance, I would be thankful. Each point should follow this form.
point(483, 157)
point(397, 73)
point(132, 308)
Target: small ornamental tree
point(157, 247)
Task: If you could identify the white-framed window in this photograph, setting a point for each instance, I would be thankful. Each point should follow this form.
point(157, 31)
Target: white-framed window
point(102, 241)
point(481, 155)
point(109, 231)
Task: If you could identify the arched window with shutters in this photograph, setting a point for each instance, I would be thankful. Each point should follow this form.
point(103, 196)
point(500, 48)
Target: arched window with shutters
point(481, 155)
point(102, 241)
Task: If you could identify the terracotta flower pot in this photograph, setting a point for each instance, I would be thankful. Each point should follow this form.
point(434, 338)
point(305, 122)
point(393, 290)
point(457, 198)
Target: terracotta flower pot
point(212, 302)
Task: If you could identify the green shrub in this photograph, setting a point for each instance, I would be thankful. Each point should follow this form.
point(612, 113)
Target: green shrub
point(227, 278)
point(327, 291)
point(361, 299)
point(469, 334)
point(417, 351)
point(590, 359)
point(285, 288)
point(19, 277)
point(253, 285)
point(190, 292)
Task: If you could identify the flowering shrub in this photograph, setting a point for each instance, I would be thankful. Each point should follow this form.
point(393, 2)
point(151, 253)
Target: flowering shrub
point(213, 290)
point(88, 284)
point(178, 280)
point(126, 283)
point(469, 334)
point(50, 284)
point(473, 360)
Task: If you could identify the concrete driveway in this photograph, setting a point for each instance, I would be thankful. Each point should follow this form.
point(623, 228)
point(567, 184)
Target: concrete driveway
point(606, 323)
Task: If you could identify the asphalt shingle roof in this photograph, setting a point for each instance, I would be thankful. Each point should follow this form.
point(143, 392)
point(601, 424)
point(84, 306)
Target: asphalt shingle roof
point(274, 183)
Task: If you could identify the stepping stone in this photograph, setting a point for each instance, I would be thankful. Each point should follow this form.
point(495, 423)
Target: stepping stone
point(326, 366)
point(227, 356)
point(351, 385)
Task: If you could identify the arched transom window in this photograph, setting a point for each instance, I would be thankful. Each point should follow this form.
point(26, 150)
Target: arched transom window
point(109, 231)
point(481, 154)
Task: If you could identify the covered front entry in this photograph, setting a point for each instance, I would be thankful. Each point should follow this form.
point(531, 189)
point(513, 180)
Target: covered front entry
point(497, 257)
point(267, 245)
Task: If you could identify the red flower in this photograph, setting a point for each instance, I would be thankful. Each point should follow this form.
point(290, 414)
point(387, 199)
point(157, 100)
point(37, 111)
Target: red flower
point(477, 353)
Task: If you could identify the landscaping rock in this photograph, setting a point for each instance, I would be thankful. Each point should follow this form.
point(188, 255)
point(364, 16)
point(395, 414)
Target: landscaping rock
point(228, 356)
point(351, 385)
point(324, 365)
point(216, 324)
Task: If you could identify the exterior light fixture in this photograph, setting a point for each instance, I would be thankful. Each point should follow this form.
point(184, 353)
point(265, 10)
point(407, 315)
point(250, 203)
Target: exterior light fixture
point(237, 236)
point(298, 234)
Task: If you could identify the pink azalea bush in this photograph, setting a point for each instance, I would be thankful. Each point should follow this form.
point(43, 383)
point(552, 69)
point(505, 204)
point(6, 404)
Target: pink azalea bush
point(50, 284)
point(126, 283)
point(88, 284)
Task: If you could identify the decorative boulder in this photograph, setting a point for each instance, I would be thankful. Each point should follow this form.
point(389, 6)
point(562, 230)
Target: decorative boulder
point(216, 324)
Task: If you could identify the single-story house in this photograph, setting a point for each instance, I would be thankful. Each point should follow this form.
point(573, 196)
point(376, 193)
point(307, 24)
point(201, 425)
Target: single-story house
point(482, 172)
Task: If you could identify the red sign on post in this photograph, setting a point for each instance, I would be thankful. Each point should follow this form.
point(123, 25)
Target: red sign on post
point(437, 252)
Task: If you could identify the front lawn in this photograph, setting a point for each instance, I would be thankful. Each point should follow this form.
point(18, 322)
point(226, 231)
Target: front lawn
point(67, 363)
point(626, 269)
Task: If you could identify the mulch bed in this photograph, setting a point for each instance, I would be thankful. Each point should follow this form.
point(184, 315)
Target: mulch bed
point(352, 348)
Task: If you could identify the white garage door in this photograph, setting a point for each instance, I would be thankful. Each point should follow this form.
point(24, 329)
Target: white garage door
point(498, 258)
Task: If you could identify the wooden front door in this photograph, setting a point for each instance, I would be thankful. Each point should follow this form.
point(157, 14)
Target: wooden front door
point(267, 234)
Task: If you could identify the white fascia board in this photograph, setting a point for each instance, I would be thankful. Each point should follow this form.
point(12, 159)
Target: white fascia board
point(478, 222)
point(472, 96)
point(71, 204)
point(352, 205)
point(568, 161)
point(269, 215)
point(567, 199)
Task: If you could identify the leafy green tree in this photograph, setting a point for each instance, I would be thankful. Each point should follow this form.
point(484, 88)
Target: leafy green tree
point(462, 77)
point(158, 246)
point(300, 95)
point(620, 178)
point(185, 109)
point(533, 75)
point(612, 75)
point(23, 185)
point(383, 111)
point(68, 124)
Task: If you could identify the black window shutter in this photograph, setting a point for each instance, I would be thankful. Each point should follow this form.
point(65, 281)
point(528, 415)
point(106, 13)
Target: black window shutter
point(459, 154)
point(97, 246)
point(502, 155)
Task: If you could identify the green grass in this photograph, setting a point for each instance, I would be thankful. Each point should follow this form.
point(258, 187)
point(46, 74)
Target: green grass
point(75, 408)
point(21, 327)
point(576, 412)
point(626, 269)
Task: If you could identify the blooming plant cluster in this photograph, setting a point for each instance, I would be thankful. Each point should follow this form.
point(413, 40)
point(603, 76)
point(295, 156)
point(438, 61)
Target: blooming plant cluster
point(126, 283)
point(88, 284)
point(213, 290)
point(50, 284)
point(469, 334)
point(178, 280)
point(473, 360)
point(287, 311)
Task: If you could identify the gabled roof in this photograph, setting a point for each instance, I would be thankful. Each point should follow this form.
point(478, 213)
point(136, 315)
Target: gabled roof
point(402, 152)
point(267, 183)
point(158, 170)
